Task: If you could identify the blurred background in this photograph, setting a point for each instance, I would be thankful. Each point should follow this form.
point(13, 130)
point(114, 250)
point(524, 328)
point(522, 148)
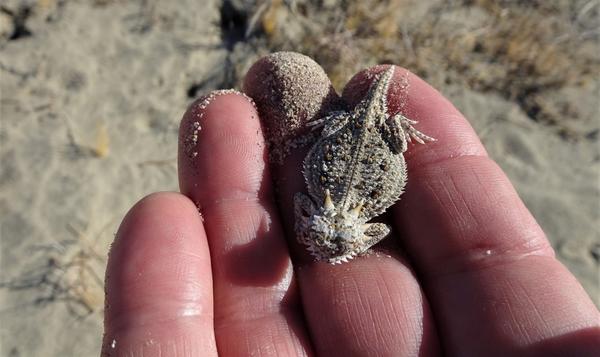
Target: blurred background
point(91, 93)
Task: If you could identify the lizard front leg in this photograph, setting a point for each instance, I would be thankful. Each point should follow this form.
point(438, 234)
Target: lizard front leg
point(399, 131)
point(330, 123)
point(375, 232)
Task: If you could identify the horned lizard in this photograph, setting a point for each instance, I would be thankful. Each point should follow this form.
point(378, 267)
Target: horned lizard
point(354, 172)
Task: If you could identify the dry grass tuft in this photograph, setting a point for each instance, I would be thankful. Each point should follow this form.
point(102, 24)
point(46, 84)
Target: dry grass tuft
point(69, 271)
point(519, 50)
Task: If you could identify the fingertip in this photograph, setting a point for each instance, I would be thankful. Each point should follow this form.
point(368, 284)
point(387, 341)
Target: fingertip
point(436, 116)
point(158, 278)
point(222, 110)
point(290, 90)
point(222, 124)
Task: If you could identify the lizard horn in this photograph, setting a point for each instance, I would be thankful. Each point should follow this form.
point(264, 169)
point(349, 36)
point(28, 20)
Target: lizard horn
point(328, 204)
point(356, 210)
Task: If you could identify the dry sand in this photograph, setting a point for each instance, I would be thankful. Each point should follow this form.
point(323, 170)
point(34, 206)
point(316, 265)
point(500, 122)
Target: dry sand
point(91, 93)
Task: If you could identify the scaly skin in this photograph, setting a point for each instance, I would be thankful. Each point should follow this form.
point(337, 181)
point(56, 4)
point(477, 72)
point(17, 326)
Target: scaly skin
point(356, 170)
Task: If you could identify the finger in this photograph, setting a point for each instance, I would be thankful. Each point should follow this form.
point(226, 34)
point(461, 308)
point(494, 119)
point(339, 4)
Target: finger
point(222, 168)
point(158, 282)
point(370, 306)
point(487, 267)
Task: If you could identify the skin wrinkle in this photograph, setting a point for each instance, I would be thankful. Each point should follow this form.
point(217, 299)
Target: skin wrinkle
point(192, 289)
point(124, 323)
point(181, 347)
point(416, 325)
point(533, 307)
point(403, 316)
point(169, 346)
point(247, 341)
point(347, 296)
point(185, 306)
point(269, 349)
point(244, 146)
point(474, 260)
point(381, 295)
point(502, 301)
point(503, 306)
point(457, 217)
point(489, 214)
point(240, 144)
point(441, 161)
point(370, 315)
point(453, 150)
point(498, 200)
point(181, 270)
point(139, 346)
point(471, 217)
point(556, 326)
point(531, 238)
point(248, 188)
point(248, 225)
point(383, 336)
point(192, 292)
point(227, 322)
point(284, 328)
point(272, 348)
point(460, 219)
point(277, 347)
point(349, 304)
point(234, 195)
point(143, 280)
point(239, 309)
point(486, 212)
point(516, 321)
point(273, 305)
point(428, 186)
point(251, 344)
point(491, 262)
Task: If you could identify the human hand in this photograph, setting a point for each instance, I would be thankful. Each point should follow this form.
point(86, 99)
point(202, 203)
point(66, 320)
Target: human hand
point(466, 271)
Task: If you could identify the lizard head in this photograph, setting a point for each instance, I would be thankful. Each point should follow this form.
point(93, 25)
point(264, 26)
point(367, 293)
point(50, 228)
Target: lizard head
point(335, 235)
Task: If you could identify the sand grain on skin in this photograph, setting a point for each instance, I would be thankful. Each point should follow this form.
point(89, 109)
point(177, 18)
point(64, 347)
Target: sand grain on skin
point(307, 95)
point(191, 140)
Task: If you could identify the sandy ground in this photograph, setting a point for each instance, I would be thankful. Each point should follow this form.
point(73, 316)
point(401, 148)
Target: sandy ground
point(91, 93)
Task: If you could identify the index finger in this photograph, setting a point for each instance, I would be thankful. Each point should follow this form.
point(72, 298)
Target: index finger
point(486, 265)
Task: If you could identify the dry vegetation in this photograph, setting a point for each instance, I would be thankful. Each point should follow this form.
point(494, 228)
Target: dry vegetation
point(522, 50)
point(525, 51)
point(69, 271)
